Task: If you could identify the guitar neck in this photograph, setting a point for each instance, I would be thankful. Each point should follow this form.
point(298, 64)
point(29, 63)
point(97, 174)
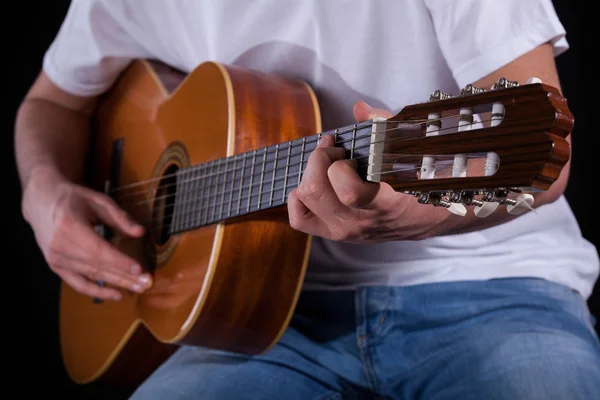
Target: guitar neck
point(258, 180)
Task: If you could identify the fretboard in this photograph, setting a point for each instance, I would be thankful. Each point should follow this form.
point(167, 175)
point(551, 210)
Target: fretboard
point(256, 180)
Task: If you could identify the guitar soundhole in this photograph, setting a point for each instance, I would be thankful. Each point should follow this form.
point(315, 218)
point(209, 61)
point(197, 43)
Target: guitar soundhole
point(164, 205)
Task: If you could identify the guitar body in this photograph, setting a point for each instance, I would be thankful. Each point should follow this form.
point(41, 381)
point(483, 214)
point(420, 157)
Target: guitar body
point(232, 285)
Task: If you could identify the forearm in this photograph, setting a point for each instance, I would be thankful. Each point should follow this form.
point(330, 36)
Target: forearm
point(51, 138)
point(50, 147)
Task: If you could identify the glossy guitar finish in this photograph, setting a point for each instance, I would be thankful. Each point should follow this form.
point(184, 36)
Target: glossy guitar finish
point(231, 285)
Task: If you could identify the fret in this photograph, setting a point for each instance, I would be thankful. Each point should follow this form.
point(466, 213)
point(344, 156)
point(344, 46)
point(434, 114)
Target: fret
point(223, 192)
point(208, 194)
point(193, 195)
point(216, 190)
point(301, 160)
point(175, 218)
point(214, 206)
point(186, 199)
point(232, 186)
point(274, 175)
point(353, 141)
point(251, 180)
point(287, 168)
point(262, 177)
point(202, 183)
point(241, 183)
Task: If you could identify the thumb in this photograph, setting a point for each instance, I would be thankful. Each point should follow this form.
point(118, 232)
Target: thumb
point(362, 112)
point(111, 214)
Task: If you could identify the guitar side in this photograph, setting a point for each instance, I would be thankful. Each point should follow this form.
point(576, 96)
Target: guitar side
point(231, 286)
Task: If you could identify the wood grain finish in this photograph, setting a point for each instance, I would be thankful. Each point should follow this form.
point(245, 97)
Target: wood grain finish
point(530, 141)
point(232, 285)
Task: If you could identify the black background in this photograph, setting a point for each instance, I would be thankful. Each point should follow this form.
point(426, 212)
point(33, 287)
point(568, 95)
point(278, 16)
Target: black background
point(32, 301)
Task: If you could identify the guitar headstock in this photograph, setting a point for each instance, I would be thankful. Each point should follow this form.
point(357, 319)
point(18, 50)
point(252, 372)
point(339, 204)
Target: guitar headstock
point(480, 148)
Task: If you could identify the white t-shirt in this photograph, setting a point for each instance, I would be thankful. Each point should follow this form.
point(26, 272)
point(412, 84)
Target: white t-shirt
point(388, 53)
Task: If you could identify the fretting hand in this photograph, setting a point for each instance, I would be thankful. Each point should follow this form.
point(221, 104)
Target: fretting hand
point(333, 202)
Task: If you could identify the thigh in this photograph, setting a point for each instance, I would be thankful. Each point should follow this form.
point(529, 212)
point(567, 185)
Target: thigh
point(314, 359)
point(198, 373)
point(536, 344)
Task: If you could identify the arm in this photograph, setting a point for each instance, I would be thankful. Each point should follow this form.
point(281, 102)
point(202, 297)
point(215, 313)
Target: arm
point(51, 138)
point(333, 202)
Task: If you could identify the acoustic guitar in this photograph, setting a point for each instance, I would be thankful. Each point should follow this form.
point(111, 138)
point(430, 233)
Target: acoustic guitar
point(206, 161)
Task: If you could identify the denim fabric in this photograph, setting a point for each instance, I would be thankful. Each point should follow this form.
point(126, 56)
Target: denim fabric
point(487, 340)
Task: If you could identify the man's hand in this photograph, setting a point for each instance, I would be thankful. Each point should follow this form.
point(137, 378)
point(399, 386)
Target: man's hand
point(51, 139)
point(63, 221)
point(333, 202)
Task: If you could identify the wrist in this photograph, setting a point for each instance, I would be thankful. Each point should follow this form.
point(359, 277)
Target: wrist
point(40, 189)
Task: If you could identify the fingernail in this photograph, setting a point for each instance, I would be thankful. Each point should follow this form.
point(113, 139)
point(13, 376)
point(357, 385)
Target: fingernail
point(136, 288)
point(135, 269)
point(144, 280)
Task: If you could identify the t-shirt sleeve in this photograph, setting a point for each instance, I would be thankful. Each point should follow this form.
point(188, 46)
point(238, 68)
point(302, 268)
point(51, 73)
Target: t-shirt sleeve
point(477, 37)
point(91, 48)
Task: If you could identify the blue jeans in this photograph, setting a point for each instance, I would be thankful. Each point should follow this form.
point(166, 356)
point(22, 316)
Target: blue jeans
point(486, 340)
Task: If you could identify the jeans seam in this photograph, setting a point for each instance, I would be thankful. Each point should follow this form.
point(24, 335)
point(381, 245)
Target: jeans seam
point(361, 338)
point(383, 316)
point(366, 361)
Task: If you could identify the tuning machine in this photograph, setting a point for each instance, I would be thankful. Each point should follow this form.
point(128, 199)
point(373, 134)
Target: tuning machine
point(504, 83)
point(514, 206)
point(436, 200)
point(439, 95)
point(471, 89)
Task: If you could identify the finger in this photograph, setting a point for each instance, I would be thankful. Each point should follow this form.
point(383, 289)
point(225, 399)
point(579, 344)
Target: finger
point(110, 276)
point(301, 218)
point(79, 241)
point(355, 192)
point(363, 112)
point(109, 212)
point(315, 191)
point(60, 258)
point(83, 286)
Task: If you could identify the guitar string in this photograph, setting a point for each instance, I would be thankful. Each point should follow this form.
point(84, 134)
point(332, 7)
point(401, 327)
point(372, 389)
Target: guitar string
point(219, 162)
point(223, 202)
point(210, 215)
point(150, 180)
point(309, 140)
point(223, 174)
point(217, 185)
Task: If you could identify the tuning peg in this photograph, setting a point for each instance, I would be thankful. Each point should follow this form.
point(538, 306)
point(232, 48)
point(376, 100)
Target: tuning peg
point(519, 205)
point(533, 79)
point(485, 209)
point(439, 95)
point(470, 89)
point(457, 209)
point(504, 83)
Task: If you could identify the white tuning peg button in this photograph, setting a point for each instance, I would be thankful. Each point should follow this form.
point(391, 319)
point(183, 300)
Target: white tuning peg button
point(458, 209)
point(521, 204)
point(533, 79)
point(486, 209)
